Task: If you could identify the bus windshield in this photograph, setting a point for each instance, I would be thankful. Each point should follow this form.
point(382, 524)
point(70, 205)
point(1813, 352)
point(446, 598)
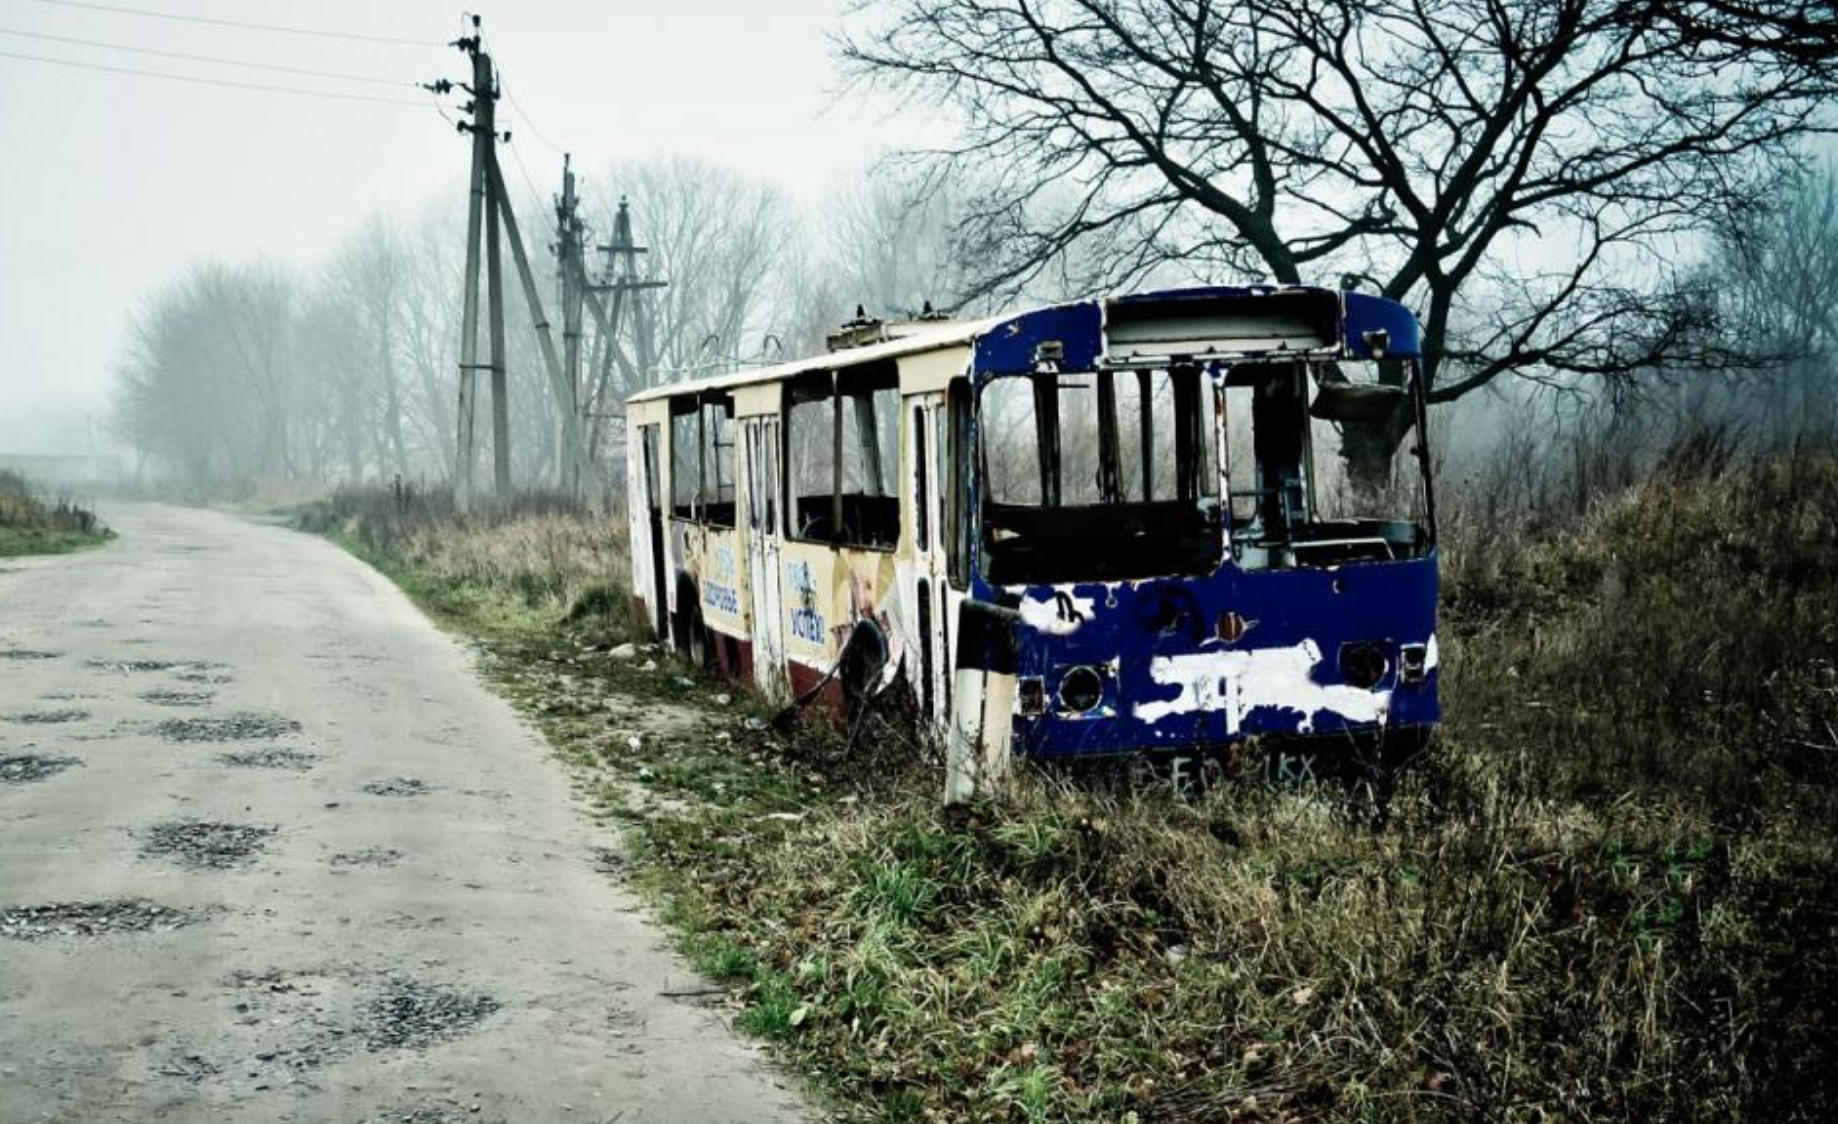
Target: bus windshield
point(1114, 474)
point(1099, 476)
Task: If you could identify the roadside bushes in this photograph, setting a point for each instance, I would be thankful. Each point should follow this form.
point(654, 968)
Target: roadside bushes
point(32, 523)
point(538, 554)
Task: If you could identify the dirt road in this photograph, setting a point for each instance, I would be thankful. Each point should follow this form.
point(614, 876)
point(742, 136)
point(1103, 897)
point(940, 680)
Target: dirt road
point(304, 866)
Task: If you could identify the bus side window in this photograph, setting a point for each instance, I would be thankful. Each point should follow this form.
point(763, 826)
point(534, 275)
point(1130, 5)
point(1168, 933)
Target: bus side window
point(718, 460)
point(810, 464)
point(956, 529)
point(685, 458)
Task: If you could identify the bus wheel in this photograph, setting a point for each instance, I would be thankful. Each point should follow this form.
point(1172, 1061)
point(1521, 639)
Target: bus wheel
point(693, 644)
point(864, 659)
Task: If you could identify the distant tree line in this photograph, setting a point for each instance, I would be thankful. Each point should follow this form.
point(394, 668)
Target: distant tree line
point(256, 372)
point(252, 372)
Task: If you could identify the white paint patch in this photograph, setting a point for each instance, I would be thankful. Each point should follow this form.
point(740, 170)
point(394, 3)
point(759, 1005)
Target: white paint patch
point(1429, 653)
point(1048, 616)
point(1237, 683)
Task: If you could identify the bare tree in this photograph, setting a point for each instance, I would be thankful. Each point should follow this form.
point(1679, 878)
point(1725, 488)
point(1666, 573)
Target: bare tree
point(1777, 277)
point(1525, 173)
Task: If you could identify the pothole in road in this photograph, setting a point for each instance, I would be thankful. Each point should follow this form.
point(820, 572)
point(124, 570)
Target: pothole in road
point(90, 919)
point(448, 1111)
point(301, 1020)
point(189, 1068)
point(398, 786)
point(167, 697)
point(134, 665)
point(271, 759)
point(409, 1014)
point(25, 767)
point(235, 728)
point(197, 843)
point(48, 717)
point(26, 654)
point(370, 856)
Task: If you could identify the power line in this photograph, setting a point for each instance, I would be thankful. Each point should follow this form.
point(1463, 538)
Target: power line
point(240, 24)
point(530, 124)
point(204, 58)
point(528, 180)
point(196, 80)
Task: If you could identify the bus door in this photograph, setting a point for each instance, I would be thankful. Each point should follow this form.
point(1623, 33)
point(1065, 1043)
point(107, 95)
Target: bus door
point(763, 541)
point(653, 516)
point(926, 420)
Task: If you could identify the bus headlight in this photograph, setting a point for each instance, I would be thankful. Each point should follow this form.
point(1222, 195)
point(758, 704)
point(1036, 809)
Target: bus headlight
point(1081, 690)
point(1363, 664)
point(1413, 663)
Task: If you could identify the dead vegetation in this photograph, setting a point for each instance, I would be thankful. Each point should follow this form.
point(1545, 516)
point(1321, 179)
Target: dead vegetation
point(1604, 897)
point(531, 559)
point(33, 523)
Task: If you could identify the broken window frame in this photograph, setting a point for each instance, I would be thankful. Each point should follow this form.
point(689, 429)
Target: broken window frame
point(873, 403)
point(1369, 537)
point(697, 422)
point(1166, 548)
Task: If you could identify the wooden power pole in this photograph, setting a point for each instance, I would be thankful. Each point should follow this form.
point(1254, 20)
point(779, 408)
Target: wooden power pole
point(572, 446)
point(489, 210)
point(482, 140)
point(568, 256)
point(500, 383)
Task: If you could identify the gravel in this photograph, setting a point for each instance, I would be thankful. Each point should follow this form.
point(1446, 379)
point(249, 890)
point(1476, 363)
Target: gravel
point(370, 856)
point(48, 717)
point(165, 696)
point(212, 846)
point(134, 665)
point(90, 919)
point(398, 786)
point(408, 1014)
point(235, 728)
point(24, 767)
point(271, 759)
point(189, 1068)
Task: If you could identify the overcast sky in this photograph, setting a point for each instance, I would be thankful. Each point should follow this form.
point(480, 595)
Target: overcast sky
point(111, 183)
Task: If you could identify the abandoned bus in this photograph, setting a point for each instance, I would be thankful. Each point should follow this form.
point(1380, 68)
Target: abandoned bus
point(1108, 527)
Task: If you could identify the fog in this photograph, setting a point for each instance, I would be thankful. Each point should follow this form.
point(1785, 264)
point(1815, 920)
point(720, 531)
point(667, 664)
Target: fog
point(114, 183)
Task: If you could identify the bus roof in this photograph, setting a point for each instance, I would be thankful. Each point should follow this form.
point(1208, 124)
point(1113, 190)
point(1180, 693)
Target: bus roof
point(949, 333)
point(1359, 315)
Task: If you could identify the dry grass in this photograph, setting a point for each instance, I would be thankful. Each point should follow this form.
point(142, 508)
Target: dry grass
point(535, 558)
point(33, 523)
point(1605, 897)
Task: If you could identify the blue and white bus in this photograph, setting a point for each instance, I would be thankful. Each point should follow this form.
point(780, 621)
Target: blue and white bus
point(1106, 528)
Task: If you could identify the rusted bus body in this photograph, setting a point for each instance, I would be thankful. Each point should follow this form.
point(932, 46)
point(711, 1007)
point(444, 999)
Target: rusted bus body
point(1095, 529)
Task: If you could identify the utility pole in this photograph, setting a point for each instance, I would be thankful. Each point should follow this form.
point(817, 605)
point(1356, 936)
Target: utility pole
point(622, 269)
point(482, 140)
point(572, 447)
point(568, 256)
point(490, 208)
point(500, 382)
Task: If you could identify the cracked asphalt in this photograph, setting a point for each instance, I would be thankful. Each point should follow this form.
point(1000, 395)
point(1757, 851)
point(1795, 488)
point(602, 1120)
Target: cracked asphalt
point(344, 883)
